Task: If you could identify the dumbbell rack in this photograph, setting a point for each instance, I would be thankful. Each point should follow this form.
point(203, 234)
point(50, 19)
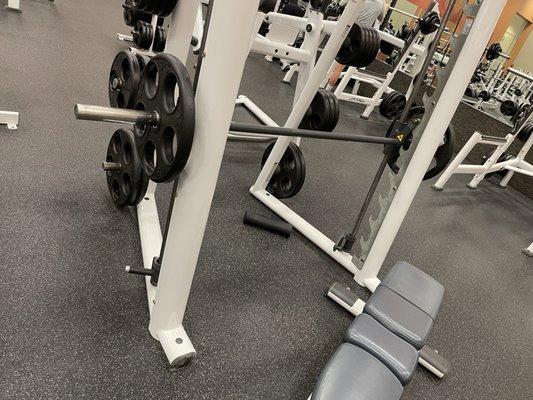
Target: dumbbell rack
point(515, 165)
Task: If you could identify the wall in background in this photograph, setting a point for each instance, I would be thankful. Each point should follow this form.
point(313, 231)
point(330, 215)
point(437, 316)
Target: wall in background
point(525, 58)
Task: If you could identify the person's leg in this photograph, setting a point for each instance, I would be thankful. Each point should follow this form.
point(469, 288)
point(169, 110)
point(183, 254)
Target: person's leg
point(334, 77)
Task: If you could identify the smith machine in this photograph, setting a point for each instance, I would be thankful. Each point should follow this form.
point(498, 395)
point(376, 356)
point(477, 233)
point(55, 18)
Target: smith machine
point(181, 130)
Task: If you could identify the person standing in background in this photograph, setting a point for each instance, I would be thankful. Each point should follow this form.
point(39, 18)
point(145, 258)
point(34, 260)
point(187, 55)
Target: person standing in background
point(371, 11)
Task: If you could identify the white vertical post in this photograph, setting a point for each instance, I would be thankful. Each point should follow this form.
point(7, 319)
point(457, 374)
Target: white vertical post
point(226, 51)
point(520, 156)
point(441, 117)
point(13, 5)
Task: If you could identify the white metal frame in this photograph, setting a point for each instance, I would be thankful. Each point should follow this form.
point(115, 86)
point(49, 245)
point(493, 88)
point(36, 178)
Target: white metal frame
point(365, 273)
point(529, 251)
point(516, 165)
point(214, 108)
point(13, 5)
point(9, 118)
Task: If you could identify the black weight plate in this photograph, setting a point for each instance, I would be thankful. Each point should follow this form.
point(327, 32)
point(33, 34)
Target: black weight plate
point(141, 5)
point(143, 35)
point(373, 45)
point(168, 7)
point(160, 39)
point(335, 113)
point(430, 23)
point(124, 79)
point(508, 108)
point(359, 47)
point(165, 88)
point(525, 132)
point(330, 110)
point(392, 105)
point(484, 95)
point(493, 52)
point(344, 56)
point(386, 47)
point(443, 155)
point(143, 60)
point(319, 112)
point(128, 185)
point(289, 177)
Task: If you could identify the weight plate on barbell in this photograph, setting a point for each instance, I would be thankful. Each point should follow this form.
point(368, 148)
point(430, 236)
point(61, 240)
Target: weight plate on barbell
point(289, 176)
point(160, 39)
point(165, 88)
point(143, 60)
point(127, 183)
point(493, 52)
point(444, 153)
point(392, 105)
point(124, 80)
point(322, 114)
point(524, 133)
point(430, 23)
point(143, 35)
point(508, 108)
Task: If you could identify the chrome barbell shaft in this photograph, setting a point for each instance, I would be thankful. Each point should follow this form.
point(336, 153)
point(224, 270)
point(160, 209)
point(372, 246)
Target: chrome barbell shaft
point(111, 114)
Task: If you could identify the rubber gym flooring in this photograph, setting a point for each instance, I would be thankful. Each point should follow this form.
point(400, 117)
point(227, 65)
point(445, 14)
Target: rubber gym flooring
point(74, 325)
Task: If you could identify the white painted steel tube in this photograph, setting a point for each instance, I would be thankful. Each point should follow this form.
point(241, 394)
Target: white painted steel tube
point(478, 36)
point(226, 51)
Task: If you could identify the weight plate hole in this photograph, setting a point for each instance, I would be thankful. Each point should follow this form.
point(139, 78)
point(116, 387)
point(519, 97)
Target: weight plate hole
point(116, 144)
point(128, 153)
point(286, 184)
point(151, 81)
point(140, 130)
point(121, 102)
point(115, 187)
point(290, 165)
point(170, 144)
point(172, 93)
point(126, 184)
point(126, 71)
point(149, 157)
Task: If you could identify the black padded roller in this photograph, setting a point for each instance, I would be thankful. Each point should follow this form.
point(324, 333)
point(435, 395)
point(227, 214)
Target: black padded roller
point(266, 223)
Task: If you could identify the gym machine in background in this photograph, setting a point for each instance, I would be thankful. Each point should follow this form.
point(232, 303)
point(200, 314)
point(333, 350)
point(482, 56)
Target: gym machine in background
point(390, 102)
point(499, 161)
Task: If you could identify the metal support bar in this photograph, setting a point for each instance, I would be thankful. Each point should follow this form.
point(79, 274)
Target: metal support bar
point(304, 133)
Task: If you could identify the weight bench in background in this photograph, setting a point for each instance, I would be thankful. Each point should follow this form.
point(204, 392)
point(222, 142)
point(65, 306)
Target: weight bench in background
point(386, 340)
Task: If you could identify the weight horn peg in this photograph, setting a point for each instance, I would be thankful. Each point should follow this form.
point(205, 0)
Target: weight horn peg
point(111, 114)
point(111, 166)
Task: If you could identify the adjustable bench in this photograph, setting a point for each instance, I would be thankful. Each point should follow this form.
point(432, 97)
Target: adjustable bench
point(385, 342)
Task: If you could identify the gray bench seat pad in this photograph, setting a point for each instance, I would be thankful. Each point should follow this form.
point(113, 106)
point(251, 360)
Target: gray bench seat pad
point(353, 374)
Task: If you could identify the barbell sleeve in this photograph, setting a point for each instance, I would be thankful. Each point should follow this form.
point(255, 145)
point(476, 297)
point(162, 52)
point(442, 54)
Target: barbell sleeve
point(111, 114)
